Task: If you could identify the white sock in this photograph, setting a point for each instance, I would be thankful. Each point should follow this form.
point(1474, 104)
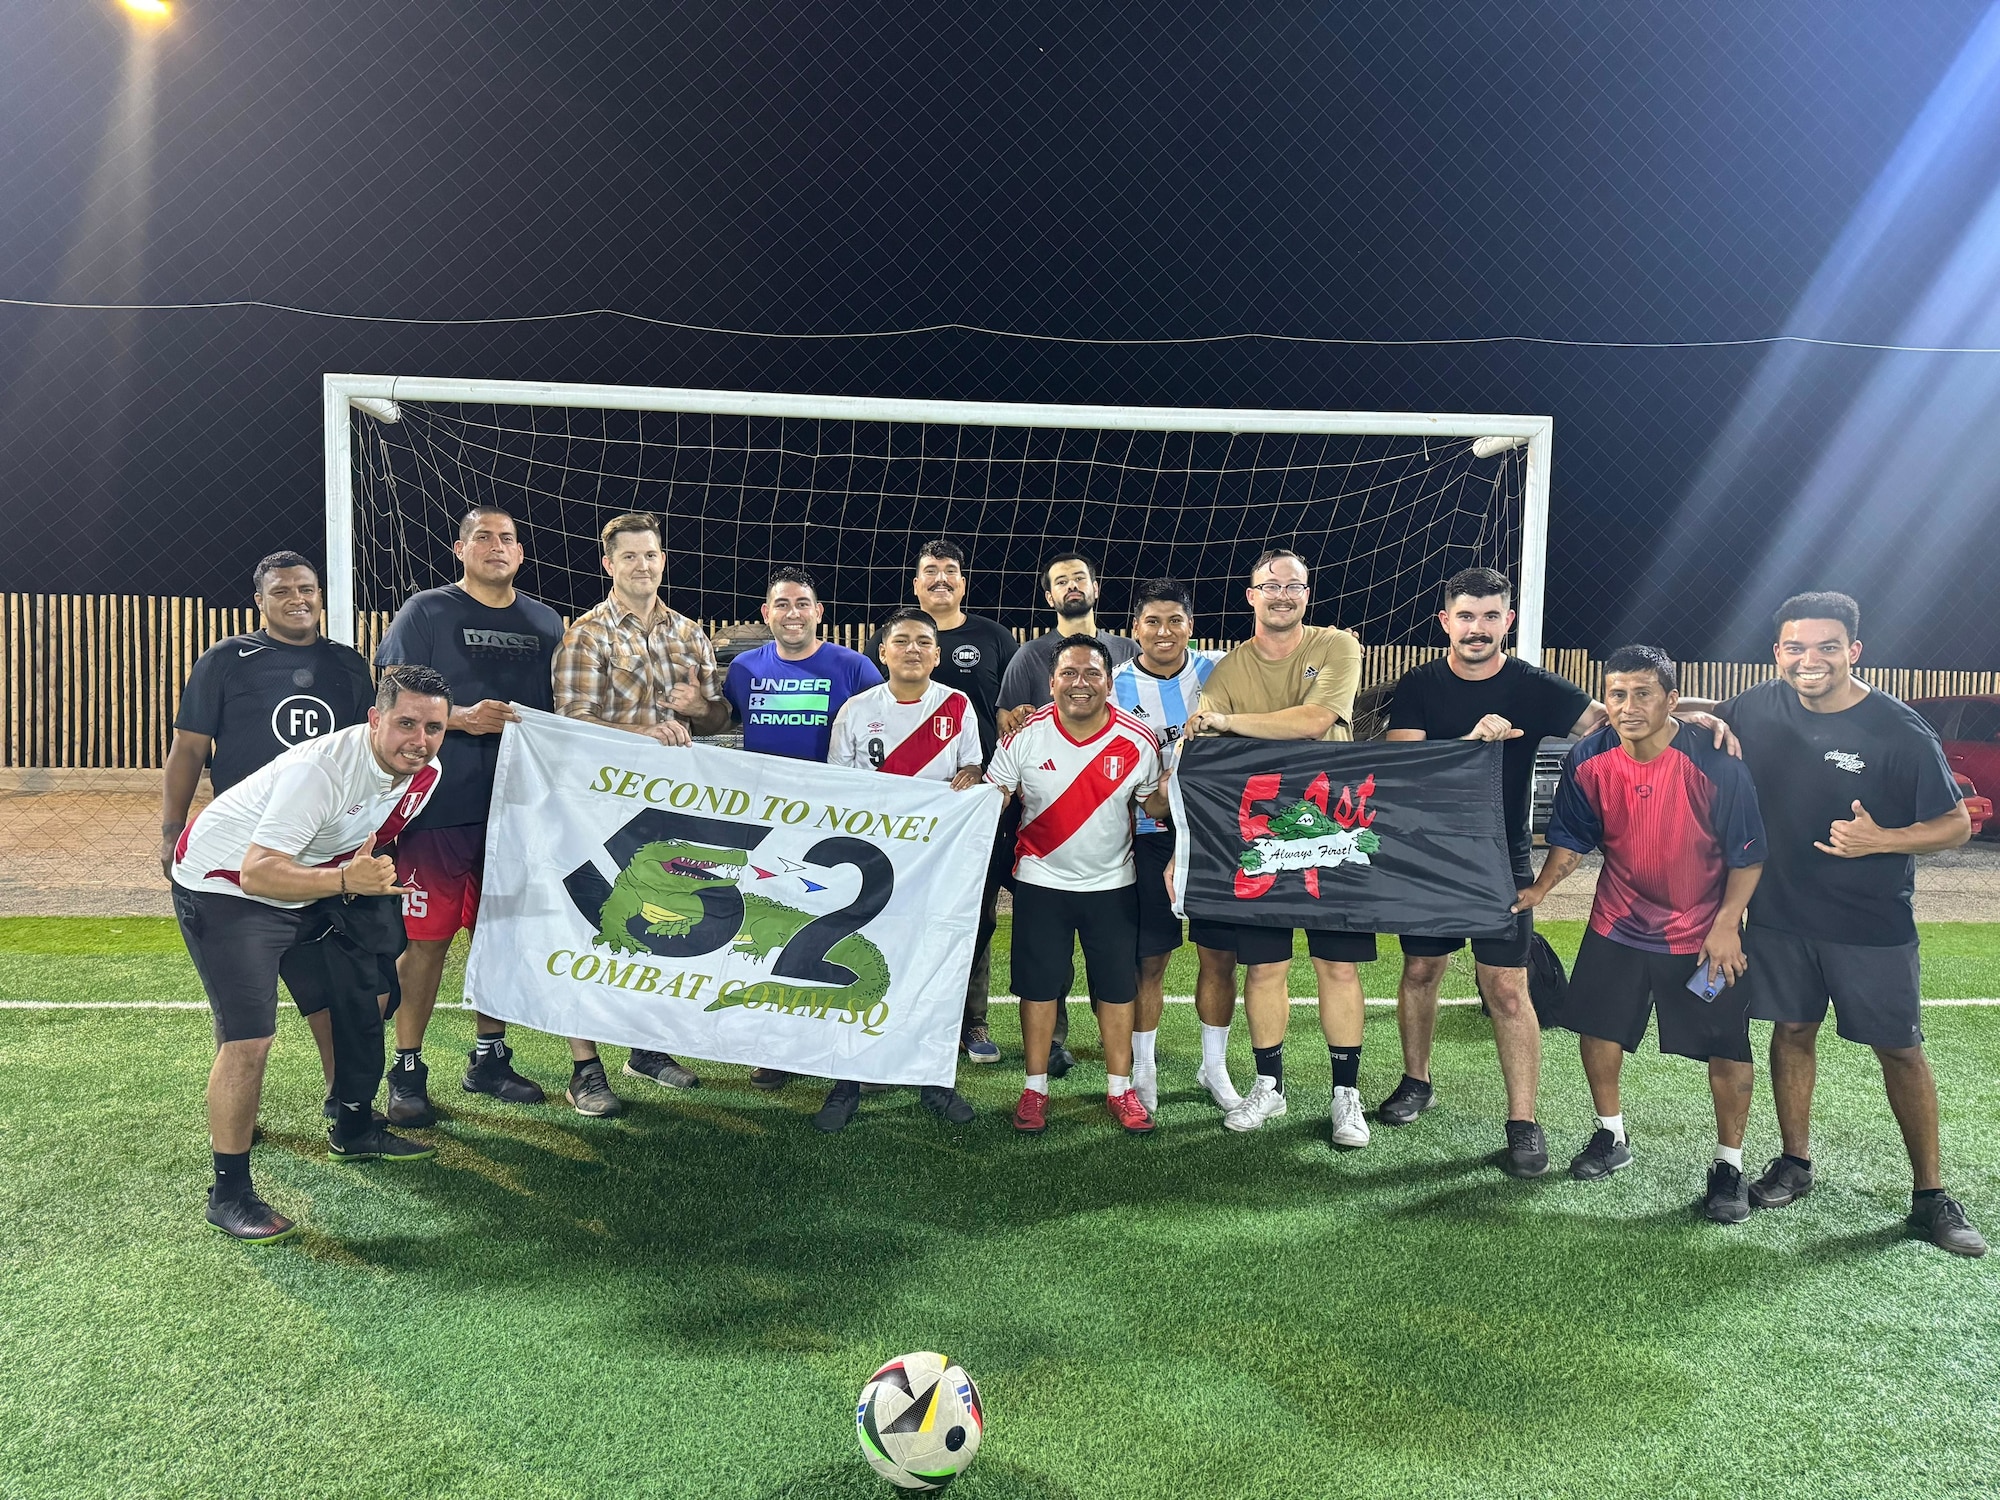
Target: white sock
point(1731, 1154)
point(1142, 1048)
point(1613, 1123)
point(1214, 1047)
point(1116, 1084)
point(1039, 1082)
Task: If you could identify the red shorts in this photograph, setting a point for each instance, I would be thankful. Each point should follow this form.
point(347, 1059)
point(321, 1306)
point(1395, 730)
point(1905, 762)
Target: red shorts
point(443, 865)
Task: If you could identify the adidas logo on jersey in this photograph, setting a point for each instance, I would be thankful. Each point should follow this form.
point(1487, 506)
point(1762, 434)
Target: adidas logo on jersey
point(1047, 765)
point(1311, 673)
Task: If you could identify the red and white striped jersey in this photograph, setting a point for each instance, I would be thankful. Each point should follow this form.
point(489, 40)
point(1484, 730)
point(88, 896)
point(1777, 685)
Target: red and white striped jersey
point(933, 738)
point(1077, 798)
point(317, 802)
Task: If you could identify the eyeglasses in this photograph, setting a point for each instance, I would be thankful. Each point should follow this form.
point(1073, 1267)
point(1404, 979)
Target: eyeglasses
point(1275, 590)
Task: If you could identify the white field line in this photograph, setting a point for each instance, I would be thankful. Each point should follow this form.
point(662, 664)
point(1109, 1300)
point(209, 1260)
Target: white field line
point(996, 1000)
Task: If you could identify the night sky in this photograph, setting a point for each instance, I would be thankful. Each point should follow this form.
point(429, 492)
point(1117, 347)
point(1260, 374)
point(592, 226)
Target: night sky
point(1662, 172)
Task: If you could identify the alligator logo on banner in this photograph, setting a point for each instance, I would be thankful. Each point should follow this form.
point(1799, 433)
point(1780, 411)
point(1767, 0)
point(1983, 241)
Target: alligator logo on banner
point(736, 907)
point(1370, 837)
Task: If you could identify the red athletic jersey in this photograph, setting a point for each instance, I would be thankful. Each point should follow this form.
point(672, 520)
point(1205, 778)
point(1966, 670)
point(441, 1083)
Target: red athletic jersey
point(1671, 829)
point(1077, 798)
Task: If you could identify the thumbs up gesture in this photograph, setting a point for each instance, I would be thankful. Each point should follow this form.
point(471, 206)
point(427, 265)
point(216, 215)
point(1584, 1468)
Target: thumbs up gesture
point(371, 874)
point(1850, 838)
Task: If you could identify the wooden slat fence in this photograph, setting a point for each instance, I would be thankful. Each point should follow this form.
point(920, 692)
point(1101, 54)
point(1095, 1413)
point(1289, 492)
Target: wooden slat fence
point(94, 680)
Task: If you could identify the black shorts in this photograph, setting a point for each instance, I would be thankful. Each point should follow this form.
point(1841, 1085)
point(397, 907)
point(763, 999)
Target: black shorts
point(1047, 925)
point(1875, 991)
point(236, 945)
point(1273, 945)
point(1508, 952)
point(1614, 990)
point(1159, 928)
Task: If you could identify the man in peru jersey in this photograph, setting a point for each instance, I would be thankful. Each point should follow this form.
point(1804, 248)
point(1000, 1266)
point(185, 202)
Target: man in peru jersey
point(1683, 846)
point(267, 870)
point(1159, 687)
point(907, 726)
point(1080, 767)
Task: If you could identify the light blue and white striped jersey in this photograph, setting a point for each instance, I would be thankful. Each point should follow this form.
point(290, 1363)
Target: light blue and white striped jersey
point(1162, 704)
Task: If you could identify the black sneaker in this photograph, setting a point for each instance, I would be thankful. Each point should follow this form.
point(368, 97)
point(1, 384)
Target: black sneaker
point(1940, 1218)
point(1527, 1153)
point(248, 1218)
point(410, 1097)
point(946, 1104)
point(1061, 1060)
point(661, 1068)
point(590, 1093)
point(1784, 1181)
point(331, 1111)
point(377, 1143)
point(842, 1100)
point(1411, 1098)
point(1728, 1198)
point(494, 1074)
point(1604, 1155)
point(770, 1080)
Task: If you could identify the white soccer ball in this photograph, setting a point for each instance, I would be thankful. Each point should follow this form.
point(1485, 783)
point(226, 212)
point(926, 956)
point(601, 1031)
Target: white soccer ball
point(919, 1421)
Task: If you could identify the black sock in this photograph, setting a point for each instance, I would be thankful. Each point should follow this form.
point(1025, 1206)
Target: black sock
point(232, 1173)
point(578, 1065)
point(1271, 1064)
point(1346, 1065)
point(1917, 1195)
point(1798, 1161)
point(488, 1046)
point(409, 1059)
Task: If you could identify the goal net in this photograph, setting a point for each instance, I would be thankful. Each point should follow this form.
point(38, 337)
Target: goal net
point(1383, 506)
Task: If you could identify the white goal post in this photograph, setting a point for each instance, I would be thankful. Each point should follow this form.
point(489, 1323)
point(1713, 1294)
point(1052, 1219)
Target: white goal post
point(378, 395)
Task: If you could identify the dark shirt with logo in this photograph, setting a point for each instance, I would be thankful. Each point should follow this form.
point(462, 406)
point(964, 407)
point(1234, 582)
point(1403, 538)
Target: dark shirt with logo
point(256, 697)
point(505, 654)
point(972, 658)
point(1810, 770)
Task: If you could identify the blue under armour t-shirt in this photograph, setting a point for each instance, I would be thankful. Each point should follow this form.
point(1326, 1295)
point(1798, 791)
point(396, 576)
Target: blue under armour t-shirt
point(787, 707)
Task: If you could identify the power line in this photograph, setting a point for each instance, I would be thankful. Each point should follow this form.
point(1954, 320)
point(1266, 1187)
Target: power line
point(257, 304)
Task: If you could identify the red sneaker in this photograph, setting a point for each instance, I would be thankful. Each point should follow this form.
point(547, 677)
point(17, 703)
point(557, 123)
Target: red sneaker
point(1031, 1115)
point(1129, 1110)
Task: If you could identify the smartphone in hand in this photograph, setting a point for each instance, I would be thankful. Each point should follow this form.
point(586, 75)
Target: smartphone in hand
point(1707, 981)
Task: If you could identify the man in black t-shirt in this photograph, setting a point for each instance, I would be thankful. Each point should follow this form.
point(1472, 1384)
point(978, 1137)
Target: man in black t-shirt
point(1478, 692)
point(973, 654)
point(495, 646)
point(1853, 785)
point(252, 697)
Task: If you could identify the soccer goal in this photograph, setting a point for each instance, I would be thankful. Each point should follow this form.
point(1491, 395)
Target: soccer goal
point(1382, 505)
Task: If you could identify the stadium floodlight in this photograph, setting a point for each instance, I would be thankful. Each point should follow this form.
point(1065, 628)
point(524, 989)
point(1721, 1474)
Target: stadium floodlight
point(1383, 505)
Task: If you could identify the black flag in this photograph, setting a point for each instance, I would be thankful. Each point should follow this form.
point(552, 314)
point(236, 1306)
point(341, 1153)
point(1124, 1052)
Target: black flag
point(1377, 836)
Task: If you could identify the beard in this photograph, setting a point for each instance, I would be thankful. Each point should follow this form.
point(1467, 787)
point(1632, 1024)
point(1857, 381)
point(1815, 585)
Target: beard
point(1075, 607)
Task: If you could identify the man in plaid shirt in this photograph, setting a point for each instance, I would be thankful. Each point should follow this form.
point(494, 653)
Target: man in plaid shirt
point(634, 663)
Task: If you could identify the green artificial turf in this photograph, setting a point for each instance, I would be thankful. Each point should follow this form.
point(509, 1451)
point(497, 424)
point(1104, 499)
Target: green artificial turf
point(685, 1301)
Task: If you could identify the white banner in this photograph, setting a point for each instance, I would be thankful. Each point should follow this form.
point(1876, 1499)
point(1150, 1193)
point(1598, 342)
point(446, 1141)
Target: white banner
point(719, 904)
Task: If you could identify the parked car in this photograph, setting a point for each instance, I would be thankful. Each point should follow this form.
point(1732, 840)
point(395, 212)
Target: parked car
point(1970, 729)
point(1549, 757)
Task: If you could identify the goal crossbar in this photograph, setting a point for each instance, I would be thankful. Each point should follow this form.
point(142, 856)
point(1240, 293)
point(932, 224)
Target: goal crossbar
point(378, 394)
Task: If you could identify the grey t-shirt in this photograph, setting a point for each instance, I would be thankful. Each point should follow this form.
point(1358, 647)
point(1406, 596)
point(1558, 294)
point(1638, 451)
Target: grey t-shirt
point(1027, 679)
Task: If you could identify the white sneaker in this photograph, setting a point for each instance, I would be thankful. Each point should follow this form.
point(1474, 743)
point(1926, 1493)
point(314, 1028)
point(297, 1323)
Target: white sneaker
point(1264, 1103)
point(1350, 1128)
point(1220, 1089)
point(1146, 1080)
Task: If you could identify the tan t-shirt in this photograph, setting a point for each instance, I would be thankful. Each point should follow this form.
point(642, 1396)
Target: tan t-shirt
point(1325, 670)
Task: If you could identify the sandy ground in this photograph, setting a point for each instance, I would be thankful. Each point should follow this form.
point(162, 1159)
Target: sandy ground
point(84, 843)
